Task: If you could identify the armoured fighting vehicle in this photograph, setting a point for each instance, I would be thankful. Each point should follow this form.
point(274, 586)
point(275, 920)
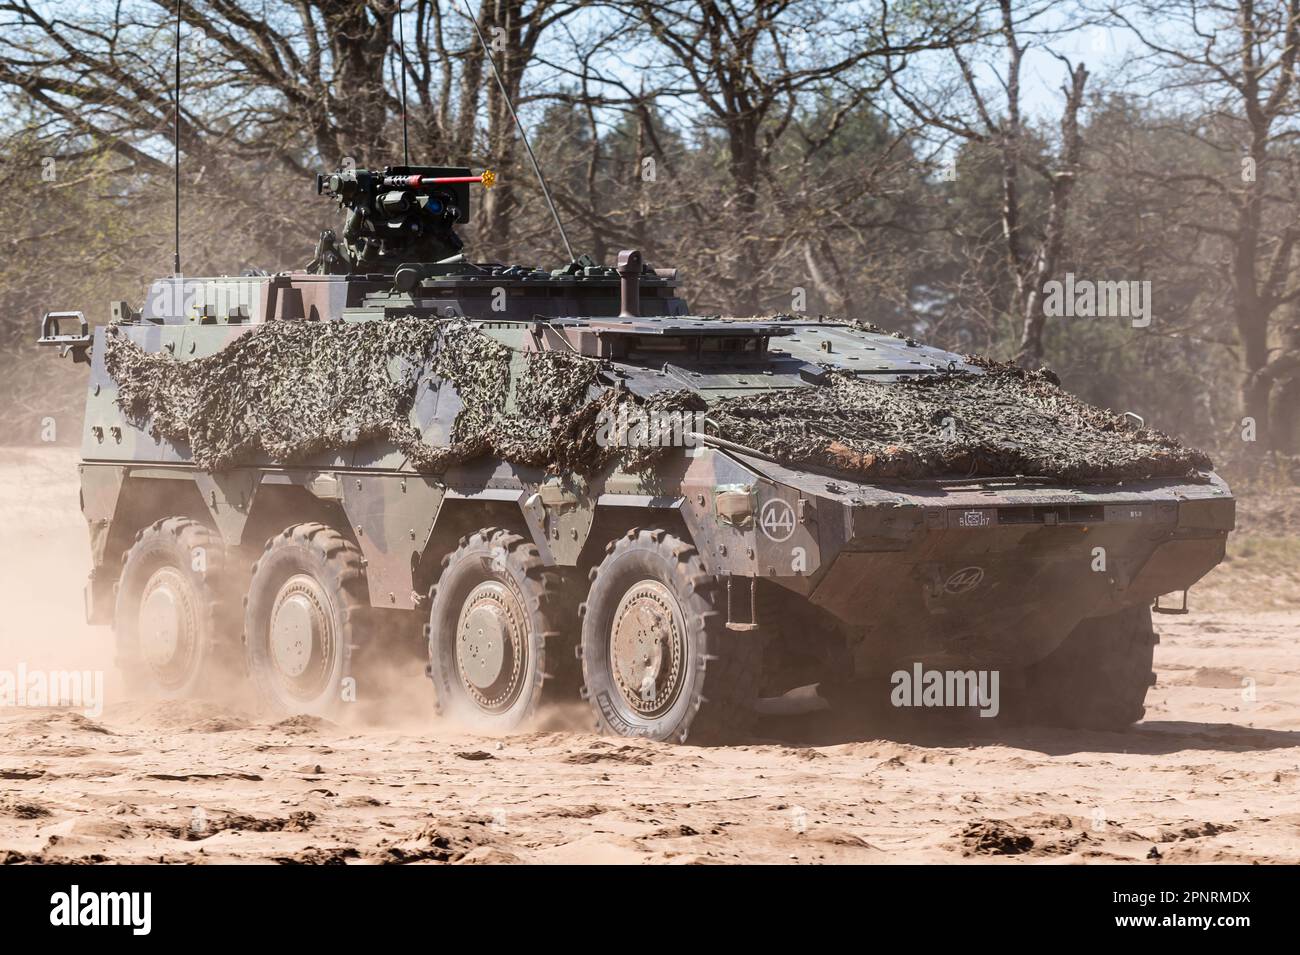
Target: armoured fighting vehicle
point(562, 483)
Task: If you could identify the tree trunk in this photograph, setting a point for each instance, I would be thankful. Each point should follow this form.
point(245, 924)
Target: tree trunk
point(1252, 329)
point(1030, 354)
point(744, 170)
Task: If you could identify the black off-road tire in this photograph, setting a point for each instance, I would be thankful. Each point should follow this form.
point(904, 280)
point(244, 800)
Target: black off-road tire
point(499, 613)
point(1099, 677)
point(308, 573)
point(711, 697)
point(180, 563)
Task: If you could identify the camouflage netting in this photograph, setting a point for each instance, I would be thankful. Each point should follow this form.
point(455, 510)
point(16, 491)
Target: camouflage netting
point(1005, 422)
point(289, 390)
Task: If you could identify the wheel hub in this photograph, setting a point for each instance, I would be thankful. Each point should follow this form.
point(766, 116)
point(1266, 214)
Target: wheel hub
point(168, 623)
point(301, 632)
point(491, 646)
point(647, 646)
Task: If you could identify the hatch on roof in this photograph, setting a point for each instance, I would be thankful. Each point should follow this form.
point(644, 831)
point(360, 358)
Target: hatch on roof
point(674, 326)
point(657, 338)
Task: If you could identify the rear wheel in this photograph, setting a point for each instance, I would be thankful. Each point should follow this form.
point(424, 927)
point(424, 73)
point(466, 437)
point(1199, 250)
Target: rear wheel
point(177, 633)
point(1098, 678)
point(307, 615)
point(497, 621)
point(657, 659)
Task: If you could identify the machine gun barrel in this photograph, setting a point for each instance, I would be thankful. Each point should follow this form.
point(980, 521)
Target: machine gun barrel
point(487, 178)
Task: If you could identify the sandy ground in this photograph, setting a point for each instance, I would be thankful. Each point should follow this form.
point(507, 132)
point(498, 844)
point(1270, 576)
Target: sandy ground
point(1211, 775)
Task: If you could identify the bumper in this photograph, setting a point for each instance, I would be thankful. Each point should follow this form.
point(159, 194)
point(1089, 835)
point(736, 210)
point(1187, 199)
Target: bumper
point(994, 573)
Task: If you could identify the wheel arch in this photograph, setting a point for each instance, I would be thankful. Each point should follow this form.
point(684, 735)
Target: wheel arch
point(140, 501)
point(278, 506)
point(615, 521)
point(456, 518)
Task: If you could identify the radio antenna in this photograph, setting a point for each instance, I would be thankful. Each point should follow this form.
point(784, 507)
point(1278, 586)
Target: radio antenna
point(401, 42)
point(541, 180)
point(176, 146)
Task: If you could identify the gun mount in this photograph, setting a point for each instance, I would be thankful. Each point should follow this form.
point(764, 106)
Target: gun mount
point(402, 214)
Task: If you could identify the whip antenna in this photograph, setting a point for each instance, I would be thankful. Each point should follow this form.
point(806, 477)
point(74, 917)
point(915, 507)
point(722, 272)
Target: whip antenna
point(541, 180)
point(401, 42)
point(176, 146)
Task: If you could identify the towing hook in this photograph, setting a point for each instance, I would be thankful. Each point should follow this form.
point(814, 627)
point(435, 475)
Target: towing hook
point(1178, 611)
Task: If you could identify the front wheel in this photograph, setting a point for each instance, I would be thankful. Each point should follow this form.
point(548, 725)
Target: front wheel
point(657, 659)
point(1099, 677)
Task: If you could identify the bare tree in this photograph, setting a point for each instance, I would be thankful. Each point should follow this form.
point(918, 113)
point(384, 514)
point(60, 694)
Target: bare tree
point(972, 112)
point(751, 68)
point(1232, 65)
point(294, 82)
point(513, 28)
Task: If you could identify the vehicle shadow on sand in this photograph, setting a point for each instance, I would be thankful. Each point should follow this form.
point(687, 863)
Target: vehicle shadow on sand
point(944, 730)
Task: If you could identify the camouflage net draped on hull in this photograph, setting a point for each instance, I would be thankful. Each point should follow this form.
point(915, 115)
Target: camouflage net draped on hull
point(1002, 423)
point(286, 391)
